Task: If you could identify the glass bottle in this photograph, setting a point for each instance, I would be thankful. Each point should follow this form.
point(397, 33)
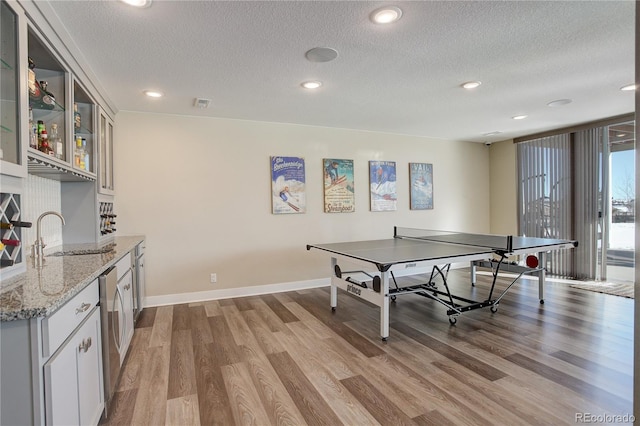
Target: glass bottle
point(48, 100)
point(33, 131)
point(86, 162)
point(77, 119)
point(55, 142)
point(78, 155)
point(44, 143)
point(32, 79)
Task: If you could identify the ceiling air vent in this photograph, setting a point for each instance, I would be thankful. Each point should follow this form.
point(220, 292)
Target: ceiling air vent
point(202, 103)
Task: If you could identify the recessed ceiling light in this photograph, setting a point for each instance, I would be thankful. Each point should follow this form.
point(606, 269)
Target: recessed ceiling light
point(621, 135)
point(386, 15)
point(311, 84)
point(629, 87)
point(559, 102)
point(519, 117)
point(153, 94)
point(137, 3)
point(471, 84)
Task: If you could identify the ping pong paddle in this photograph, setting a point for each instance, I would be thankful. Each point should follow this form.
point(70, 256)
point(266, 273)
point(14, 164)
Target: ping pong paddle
point(532, 261)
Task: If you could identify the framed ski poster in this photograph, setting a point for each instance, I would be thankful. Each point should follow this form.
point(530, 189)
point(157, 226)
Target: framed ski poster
point(421, 190)
point(288, 185)
point(339, 196)
point(382, 185)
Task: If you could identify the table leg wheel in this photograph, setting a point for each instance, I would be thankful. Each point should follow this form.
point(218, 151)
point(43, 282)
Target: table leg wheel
point(393, 298)
point(333, 309)
point(541, 302)
point(384, 339)
point(453, 320)
point(494, 309)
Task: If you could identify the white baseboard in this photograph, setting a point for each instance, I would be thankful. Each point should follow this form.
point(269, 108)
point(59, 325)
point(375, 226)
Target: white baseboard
point(229, 293)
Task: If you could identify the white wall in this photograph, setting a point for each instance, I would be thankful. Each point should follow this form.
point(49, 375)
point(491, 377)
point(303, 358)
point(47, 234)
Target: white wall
point(199, 189)
point(41, 195)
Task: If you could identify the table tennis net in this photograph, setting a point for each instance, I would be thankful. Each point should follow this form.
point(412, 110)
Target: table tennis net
point(494, 242)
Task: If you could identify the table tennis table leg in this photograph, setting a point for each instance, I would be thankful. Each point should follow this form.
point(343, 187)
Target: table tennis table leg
point(384, 307)
point(542, 275)
point(473, 273)
point(334, 287)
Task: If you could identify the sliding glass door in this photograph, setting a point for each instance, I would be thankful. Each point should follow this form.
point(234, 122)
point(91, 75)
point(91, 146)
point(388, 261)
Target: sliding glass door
point(581, 185)
point(618, 263)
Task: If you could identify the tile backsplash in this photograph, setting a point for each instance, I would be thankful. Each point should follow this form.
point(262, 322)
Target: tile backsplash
point(41, 195)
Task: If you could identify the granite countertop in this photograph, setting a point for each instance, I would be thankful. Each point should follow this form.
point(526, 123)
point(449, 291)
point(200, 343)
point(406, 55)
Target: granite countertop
point(41, 290)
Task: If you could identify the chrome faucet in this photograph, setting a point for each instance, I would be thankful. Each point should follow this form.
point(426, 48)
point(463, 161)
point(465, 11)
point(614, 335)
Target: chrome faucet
point(39, 245)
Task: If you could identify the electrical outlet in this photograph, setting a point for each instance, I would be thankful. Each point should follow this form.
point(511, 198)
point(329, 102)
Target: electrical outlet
point(214, 278)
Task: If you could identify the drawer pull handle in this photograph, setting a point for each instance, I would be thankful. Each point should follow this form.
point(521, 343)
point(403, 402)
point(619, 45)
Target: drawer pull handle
point(85, 345)
point(83, 308)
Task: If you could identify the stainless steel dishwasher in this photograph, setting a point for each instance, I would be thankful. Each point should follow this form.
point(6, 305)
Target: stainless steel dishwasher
point(110, 313)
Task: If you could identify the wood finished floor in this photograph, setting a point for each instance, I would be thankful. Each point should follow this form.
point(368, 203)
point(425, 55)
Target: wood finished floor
point(287, 359)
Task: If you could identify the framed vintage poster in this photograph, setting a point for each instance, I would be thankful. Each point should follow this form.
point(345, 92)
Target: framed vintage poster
point(288, 185)
point(382, 185)
point(421, 182)
point(339, 196)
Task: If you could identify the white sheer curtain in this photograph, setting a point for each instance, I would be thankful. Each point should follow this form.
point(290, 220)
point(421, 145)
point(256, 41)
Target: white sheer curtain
point(545, 195)
point(590, 192)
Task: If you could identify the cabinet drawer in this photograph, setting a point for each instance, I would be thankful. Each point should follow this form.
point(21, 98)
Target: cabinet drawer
point(60, 325)
point(123, 266)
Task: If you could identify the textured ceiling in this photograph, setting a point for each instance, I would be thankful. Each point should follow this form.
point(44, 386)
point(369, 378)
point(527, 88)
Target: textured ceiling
point(248, 57)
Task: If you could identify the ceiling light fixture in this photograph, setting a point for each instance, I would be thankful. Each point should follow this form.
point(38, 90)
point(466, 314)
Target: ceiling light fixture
point(519, 117)
point(559, 102)
point(629, 87)
point(153, 94)
point(321, 54)
point(311, 84)
point(386, 15)
point(137, 3)
point(471, 84)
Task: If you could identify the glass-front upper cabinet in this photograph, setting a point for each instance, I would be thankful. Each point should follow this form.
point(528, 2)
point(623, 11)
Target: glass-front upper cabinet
point(105, 143)
point(47, 83)
point(83, 145)
point(12, 154)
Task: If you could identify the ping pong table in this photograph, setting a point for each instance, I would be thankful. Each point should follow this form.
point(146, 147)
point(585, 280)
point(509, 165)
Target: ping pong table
point(420, 248)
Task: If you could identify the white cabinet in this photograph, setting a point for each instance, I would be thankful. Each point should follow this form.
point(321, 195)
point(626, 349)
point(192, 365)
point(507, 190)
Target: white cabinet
point(73, 377)
point(124, 298)
point(13, 109)
point(105, 154)
point(51, 367)
point(90, 388)
point(125, 287)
